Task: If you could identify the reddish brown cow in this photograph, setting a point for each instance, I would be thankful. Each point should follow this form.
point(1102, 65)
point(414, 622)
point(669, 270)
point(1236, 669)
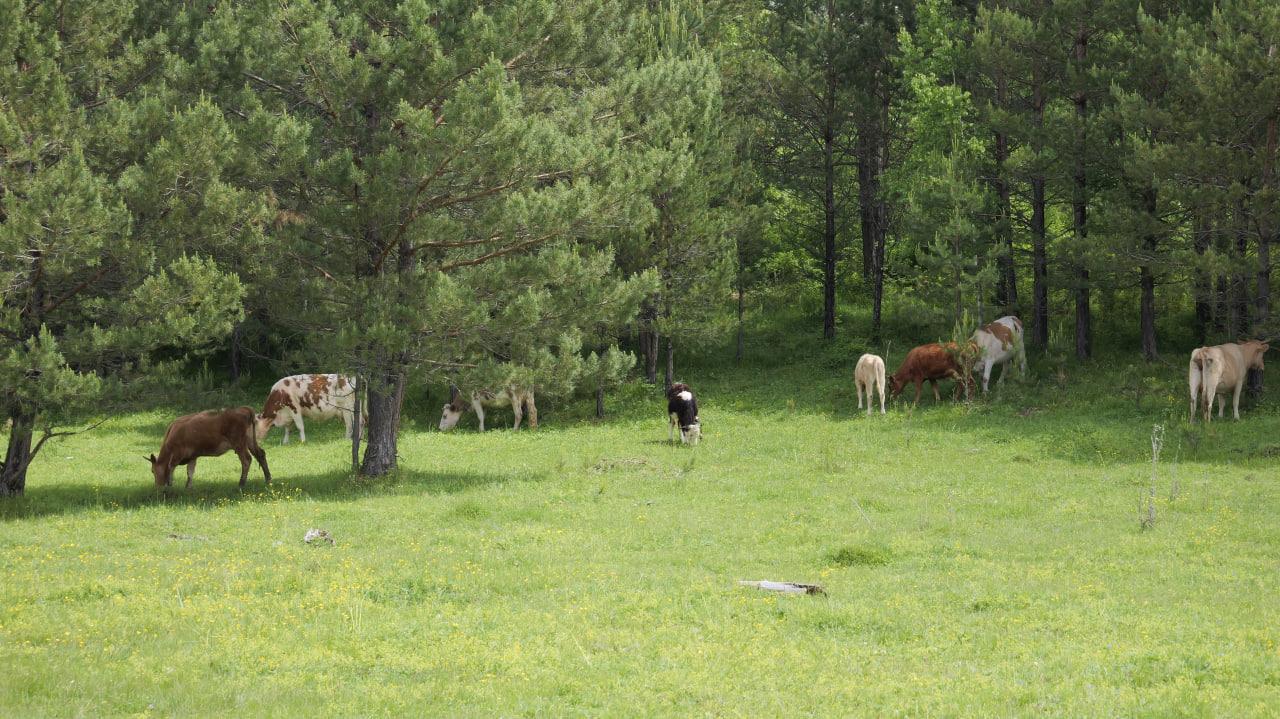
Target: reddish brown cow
point(933, 362)
point(208, 434)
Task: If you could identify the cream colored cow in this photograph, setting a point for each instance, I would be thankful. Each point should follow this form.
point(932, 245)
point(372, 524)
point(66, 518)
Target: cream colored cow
point(867, 375)
point(1216, 370)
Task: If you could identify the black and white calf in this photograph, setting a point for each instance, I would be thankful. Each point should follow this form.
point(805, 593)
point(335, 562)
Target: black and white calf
point(682, 408)
point(512, 395)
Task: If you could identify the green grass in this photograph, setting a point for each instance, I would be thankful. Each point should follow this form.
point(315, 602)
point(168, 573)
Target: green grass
point(978, 561)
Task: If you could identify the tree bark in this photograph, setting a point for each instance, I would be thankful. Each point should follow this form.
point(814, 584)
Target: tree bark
point(1201, 286)
point(1080, 206)
point(386, 397)
point(357, 424)
point(1147, 279)
point(236, 335)
point(1039, 236)
point(873, 208)
point(13, 475)
point(1007, 284)
point(671, 363)
point(649, 341)
point(828, 230)
point(599, 402)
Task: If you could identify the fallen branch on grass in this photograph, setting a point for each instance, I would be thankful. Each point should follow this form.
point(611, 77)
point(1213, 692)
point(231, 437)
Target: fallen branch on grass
point(785, 587)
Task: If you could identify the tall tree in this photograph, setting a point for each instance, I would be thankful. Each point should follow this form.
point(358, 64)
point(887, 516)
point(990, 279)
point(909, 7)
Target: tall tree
point(112, 196)
point(420, 146)
point(815, 47)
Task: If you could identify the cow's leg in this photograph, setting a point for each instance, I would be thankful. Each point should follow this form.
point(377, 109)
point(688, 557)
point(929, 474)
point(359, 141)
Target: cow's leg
point(285, 438)
point(1235, 400)
point(987, 364)
point(245, 462)
point(479, 410)
point(1193, 381)
point(857, 389)
point(1221, 401)
point(349, 419)
point(671, 428)
point(881, 382)
point(261, 455)
point(919, 386)
point(936, 397)
point(302, 431)
point(191, 472)
point(533, 413)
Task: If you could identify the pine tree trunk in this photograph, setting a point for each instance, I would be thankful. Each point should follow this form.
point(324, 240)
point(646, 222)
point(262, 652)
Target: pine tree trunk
point(1201, 285)
point(739, 350)
point(1039, 236)
point(1039, 266)
point(1147, 279)
point(671, 363)
point(1241, 324)
point(829, 231)
point(13, 475)
point(599, 402)
point(357, 425)
point(649, 341)
point(874, 209)
point(236, 337)
point(1079, 208)
point(386, 397)
point(1007, 284)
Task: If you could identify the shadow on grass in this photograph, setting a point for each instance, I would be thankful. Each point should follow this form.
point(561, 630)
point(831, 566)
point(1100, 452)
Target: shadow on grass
point(215, 490)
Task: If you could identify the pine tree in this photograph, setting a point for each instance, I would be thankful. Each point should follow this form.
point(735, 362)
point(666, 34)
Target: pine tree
point(420, 148)
point(111, 206)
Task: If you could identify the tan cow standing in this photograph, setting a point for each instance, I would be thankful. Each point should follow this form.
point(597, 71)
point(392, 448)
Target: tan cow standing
point(867, 374)
point(1214, 370)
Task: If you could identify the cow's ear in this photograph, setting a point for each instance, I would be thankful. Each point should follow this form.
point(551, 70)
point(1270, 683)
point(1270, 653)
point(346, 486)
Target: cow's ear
point(152, 459)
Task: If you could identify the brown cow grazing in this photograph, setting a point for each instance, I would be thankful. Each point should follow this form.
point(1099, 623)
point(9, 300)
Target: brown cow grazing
point(933, 362)
point(208, 434)
point(1215, 370)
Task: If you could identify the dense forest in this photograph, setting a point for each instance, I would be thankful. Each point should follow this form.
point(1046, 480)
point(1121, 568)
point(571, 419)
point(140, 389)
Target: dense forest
point(561, 194)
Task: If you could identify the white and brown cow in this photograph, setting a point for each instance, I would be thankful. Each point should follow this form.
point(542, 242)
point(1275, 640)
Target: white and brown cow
point(317, 396)
point(516, 397)
point(1216, 370)
point(998, 343)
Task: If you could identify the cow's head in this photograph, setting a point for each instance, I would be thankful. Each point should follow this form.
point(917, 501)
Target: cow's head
point(162, 474)
point(895, 385)
point(692, 433)
point(452, 411)
point(1260, 349)
point(262, 424)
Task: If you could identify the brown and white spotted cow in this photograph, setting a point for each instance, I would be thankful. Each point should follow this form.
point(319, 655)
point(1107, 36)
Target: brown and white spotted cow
point(317, 396)
point(516, 397)
point(998, 343)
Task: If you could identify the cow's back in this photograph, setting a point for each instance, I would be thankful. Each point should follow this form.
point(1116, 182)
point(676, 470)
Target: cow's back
point(208, 434)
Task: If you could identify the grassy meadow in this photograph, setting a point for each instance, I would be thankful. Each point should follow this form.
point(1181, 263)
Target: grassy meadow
point(979, 560)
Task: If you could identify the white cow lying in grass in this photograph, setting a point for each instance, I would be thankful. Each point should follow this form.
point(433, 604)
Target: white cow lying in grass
point(869, 373)
point(512, 395)
point(1215, 370)
point(998, 343)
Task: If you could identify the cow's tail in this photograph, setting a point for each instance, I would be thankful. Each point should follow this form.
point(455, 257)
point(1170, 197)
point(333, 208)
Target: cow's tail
point(1203, 364)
